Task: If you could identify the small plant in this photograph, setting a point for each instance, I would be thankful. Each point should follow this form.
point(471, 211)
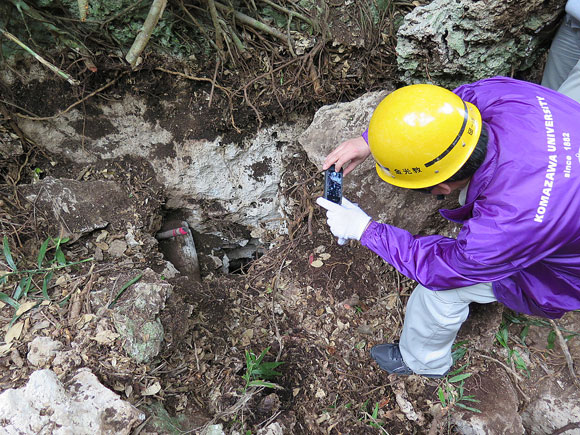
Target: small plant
point(372, 419)
point(257, 370)
point(527, 322)
point(32, 282)
point(513, 356)
point(451, 393)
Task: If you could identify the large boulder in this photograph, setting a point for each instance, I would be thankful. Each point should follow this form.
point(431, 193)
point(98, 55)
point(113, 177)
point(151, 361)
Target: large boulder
point(555, 409)
point(450, 42)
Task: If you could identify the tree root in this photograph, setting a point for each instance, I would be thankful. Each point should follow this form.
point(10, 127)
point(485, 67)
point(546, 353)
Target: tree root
point(218, 29)
point(566, 352)
point(258, 25)
point(157, 8)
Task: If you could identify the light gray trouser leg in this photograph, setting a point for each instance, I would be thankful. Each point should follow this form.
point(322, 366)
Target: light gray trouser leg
point(432, 321)
point(562, 71)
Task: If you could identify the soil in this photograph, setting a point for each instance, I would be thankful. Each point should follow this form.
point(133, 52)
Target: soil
point(307, 302)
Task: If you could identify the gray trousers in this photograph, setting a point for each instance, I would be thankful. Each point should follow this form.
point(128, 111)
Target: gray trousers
point(562, 71)
point(432, 320)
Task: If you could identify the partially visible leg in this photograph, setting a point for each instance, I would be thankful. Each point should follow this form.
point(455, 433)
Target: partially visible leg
point(571, 86)
point(432, 321)
point(562, 71)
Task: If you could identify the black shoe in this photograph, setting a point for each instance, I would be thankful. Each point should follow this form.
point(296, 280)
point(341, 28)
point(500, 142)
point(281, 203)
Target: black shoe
point(389, 358)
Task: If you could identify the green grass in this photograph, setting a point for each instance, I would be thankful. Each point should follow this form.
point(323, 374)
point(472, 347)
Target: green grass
point(451, 391)
point(258, 370)
point(24, 282)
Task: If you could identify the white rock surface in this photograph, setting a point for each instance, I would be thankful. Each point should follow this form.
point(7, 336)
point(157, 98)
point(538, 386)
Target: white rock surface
point(214, 180)
point(556, 409)
point(41, 350)
point(82, 406)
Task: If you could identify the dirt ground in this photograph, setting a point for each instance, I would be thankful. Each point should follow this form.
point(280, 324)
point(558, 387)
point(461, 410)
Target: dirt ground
point(313, 305)
point(309, 303)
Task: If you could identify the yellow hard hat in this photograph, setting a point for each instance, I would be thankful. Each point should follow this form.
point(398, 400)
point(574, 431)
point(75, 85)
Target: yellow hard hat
point(420, 135)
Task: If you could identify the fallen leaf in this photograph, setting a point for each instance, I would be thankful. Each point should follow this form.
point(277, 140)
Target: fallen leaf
point(40, 325)
point(62, 280)
point(325, 256)
point(84, 320)
point(247, 336)
point(103, 246)
point(317, 263)
point(102, 236)
point(5, 348)
point(105, 337)
point(384, 402)
point(26, 306)
point(320, 249)
point(14, 332)
point(152, 389)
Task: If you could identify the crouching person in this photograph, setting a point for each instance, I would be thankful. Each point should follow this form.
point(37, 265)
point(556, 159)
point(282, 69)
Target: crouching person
point(512, 149)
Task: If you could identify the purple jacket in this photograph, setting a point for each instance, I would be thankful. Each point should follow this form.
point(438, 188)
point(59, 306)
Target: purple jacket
point(521, 219)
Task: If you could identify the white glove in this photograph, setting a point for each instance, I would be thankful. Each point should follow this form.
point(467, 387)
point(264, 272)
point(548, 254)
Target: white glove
point(346, 221)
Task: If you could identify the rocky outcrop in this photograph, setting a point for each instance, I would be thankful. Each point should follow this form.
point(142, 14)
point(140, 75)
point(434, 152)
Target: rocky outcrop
point(215, 181)
point(449, 42)
point(82, 406)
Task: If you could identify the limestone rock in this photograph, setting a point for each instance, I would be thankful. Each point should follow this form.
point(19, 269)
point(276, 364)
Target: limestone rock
point(450, 42)
point(272, 429)
point(10, 145)
point(117, 248)
point(215, 181)
point(404, 208)
point(553, 410)
point(136, 316)
point(41, 350)
point(335, 123)
point(83, 406)
point(77, 207)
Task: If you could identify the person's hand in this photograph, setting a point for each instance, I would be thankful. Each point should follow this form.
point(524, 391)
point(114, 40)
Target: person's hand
point(354, 151)
point(346, 221)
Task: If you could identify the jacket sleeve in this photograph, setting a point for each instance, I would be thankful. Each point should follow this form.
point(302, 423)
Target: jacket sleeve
point(437, 262)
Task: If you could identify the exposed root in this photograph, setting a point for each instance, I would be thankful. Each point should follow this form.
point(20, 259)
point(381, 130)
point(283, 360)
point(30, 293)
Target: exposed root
point(565, 351)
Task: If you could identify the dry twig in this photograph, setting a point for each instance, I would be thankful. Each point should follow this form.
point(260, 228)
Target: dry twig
point(46, 63)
